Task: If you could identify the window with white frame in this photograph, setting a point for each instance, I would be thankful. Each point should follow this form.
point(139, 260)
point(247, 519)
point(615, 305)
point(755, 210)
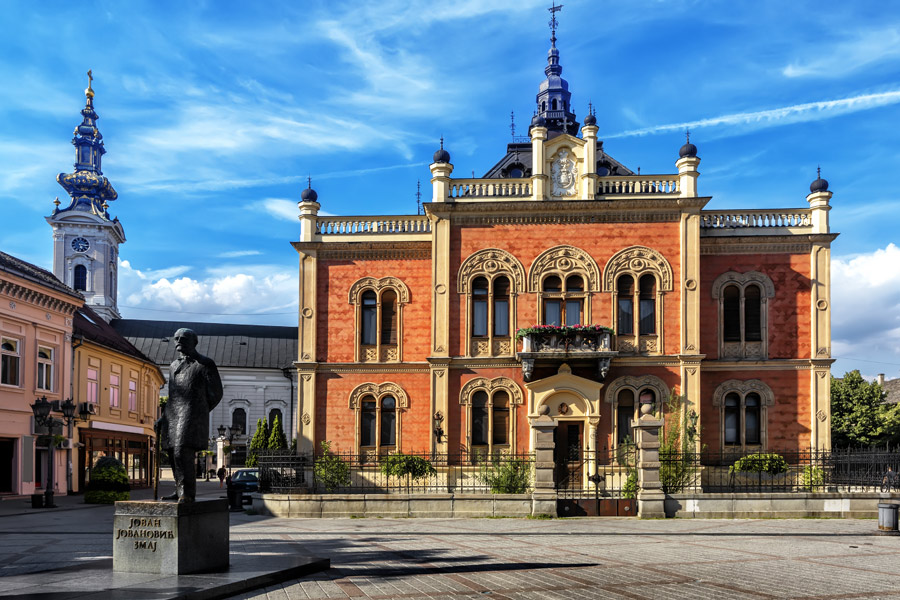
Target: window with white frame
point(93, 386)
point(45, 368)
point(132, 395)
point(743, 413)
point(113, 391)
point(9, 361)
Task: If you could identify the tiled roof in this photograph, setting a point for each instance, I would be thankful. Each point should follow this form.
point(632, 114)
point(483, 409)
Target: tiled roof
point(892, 387)
point(93, 328)
point(229, 345)
point(31, 272)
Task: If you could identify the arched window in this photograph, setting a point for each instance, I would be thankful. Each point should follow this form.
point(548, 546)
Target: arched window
point(648, 304)
point(626, 395)
point(553, 104)
point(490, 279)
point(563, 300)
point(79, 281)
point(743, 406)
point(378, 414)
point(743, 304)
point(239, 421)
point(490, 418)
point(275, 412)
point(637, 277)
point(379, 304)
point(9, 357)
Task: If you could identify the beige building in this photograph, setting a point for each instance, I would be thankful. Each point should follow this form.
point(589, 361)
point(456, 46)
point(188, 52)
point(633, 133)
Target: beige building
point(36, 314)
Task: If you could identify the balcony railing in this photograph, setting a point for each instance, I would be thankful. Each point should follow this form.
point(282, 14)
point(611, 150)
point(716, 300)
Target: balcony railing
point(738, 219)
point(637, 185)
point(490, 188)
point(567, 343)
point(372, 225)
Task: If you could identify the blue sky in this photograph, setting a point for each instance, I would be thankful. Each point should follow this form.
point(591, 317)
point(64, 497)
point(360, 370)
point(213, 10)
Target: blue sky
point(214, 113)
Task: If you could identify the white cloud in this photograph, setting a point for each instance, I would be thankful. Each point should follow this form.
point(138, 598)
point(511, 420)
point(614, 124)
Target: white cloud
point(865, 299)
point(239, 253)
point(837, 60)
point(280, 208)
point(225, 291)
point(796, 113)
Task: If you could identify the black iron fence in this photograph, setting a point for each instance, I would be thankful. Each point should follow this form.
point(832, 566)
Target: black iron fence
point(603, 473)
point(837, 470)
point(418, 472)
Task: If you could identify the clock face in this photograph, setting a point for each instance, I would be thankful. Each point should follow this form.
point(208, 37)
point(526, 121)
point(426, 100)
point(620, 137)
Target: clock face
point(80, 244)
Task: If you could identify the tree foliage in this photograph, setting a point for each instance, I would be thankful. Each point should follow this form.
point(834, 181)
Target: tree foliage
point(277, 439)
point(677, 452)
point(859, 415)
point(330, 470)
point(259, 442)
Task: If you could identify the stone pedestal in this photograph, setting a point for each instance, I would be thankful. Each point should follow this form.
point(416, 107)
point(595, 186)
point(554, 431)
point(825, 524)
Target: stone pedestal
point(651, 499)
point(169, 538)
point(544, 497)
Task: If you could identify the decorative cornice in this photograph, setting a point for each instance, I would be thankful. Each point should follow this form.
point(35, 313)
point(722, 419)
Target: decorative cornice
point(489, 386)
point(370, 368)
point(636, 261)
point(32, 296)
point(743, 388)
point(491, 262)
point(368, 250)
point(764, 244)
point(564, 260)
point(378, 390)
point(618, 209)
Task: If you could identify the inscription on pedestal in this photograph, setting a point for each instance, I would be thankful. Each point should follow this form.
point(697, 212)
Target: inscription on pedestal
point(169, 538)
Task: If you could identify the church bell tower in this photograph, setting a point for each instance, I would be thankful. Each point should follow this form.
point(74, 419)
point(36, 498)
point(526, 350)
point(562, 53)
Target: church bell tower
point(85, 238)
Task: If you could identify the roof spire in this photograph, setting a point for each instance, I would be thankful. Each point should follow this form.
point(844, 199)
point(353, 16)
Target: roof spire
point(512, 123)
point(553, 22)
point(418, 196)
point(89, 92)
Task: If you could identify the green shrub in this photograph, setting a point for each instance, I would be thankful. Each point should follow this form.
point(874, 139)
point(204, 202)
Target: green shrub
point(260, 441)
point(331, 472)
point(630, 489)
point(772, 464)
point(679, 463)
point(277, 439)
point(812, 477)
point(403, 465)
point(506, 476)
point(109, 482)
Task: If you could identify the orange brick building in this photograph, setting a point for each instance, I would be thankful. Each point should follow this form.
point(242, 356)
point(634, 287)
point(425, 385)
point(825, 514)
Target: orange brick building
point(407, 325)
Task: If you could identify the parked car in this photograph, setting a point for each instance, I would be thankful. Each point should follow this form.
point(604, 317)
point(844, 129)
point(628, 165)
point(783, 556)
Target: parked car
point(245, 480)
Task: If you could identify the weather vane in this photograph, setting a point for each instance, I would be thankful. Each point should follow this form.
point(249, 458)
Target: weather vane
point(553, 22)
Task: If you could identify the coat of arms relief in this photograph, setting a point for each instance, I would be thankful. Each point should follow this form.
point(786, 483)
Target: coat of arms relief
point(563, 172)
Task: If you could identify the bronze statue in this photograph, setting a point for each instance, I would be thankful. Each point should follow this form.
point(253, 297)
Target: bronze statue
point(183, 429)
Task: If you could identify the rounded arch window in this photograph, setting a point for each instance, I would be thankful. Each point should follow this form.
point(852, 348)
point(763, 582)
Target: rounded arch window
point(79, 281)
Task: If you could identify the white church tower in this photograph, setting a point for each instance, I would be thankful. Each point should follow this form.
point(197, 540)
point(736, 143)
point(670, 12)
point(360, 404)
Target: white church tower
point(85, 239)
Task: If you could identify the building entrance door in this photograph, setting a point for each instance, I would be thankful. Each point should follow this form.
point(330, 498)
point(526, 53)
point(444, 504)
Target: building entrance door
point(7, 455)
point(569, 453)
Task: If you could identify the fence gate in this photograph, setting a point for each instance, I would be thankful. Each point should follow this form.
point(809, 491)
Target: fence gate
point(596, 483)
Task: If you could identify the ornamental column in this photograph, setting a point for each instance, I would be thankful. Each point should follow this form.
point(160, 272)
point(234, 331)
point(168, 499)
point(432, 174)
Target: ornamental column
point(306, 324)
point(538, 133)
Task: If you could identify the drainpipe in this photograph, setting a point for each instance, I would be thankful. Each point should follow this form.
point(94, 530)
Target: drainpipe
point(288, 373)
point(80, 340)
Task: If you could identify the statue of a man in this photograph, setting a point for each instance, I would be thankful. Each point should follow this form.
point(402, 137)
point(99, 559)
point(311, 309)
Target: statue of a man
point(194, 390)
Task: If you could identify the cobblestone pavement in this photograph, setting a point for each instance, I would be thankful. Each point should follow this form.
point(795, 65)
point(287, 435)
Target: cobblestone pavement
point(583, 558)
point(505, 558)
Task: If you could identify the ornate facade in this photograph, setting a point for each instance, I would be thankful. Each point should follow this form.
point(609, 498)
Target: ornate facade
point(729, 309)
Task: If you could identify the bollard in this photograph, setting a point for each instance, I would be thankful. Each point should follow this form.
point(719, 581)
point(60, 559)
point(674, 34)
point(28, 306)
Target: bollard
point(887, 518)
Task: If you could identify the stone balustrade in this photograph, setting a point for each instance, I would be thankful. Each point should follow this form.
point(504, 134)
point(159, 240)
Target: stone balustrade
point(637, 185)
point(372, 225)
point(730, 219)
point(490, 188)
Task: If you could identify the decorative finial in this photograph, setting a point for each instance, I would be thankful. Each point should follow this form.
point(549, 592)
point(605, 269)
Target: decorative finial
point(590, 108)
point(442, 142)
point(818, 171)
point(89, 92)
point(418, 196)
point(309, 182)
point(687, 134)
point(512, 123)
point(553, 22)
point(56, 202)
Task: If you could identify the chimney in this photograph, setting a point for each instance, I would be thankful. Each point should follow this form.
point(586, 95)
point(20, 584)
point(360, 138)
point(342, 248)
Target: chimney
point(881, 379)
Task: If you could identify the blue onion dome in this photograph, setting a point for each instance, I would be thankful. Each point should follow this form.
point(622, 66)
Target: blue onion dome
point(442, 156)
point(590, 120)
point(309, 194)
point(819, 185)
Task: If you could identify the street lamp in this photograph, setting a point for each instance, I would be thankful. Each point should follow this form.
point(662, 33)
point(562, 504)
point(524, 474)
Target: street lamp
point(41, 409)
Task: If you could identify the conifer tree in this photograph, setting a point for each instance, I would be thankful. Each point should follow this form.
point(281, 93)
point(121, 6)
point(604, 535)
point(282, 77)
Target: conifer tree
point(277, 439)
point(259, 442)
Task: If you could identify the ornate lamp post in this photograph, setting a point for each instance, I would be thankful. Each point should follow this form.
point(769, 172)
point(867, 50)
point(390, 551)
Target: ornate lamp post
point(41, 409)
point(231, 433)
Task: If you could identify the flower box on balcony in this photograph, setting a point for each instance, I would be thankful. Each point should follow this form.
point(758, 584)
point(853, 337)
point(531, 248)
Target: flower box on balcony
point(565, 339)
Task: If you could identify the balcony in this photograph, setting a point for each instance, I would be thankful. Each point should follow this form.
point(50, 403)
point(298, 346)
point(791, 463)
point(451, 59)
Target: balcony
point(551, 345)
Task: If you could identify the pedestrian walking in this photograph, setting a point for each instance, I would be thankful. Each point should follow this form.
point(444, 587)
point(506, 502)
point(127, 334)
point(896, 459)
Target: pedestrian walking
point(221, 475)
